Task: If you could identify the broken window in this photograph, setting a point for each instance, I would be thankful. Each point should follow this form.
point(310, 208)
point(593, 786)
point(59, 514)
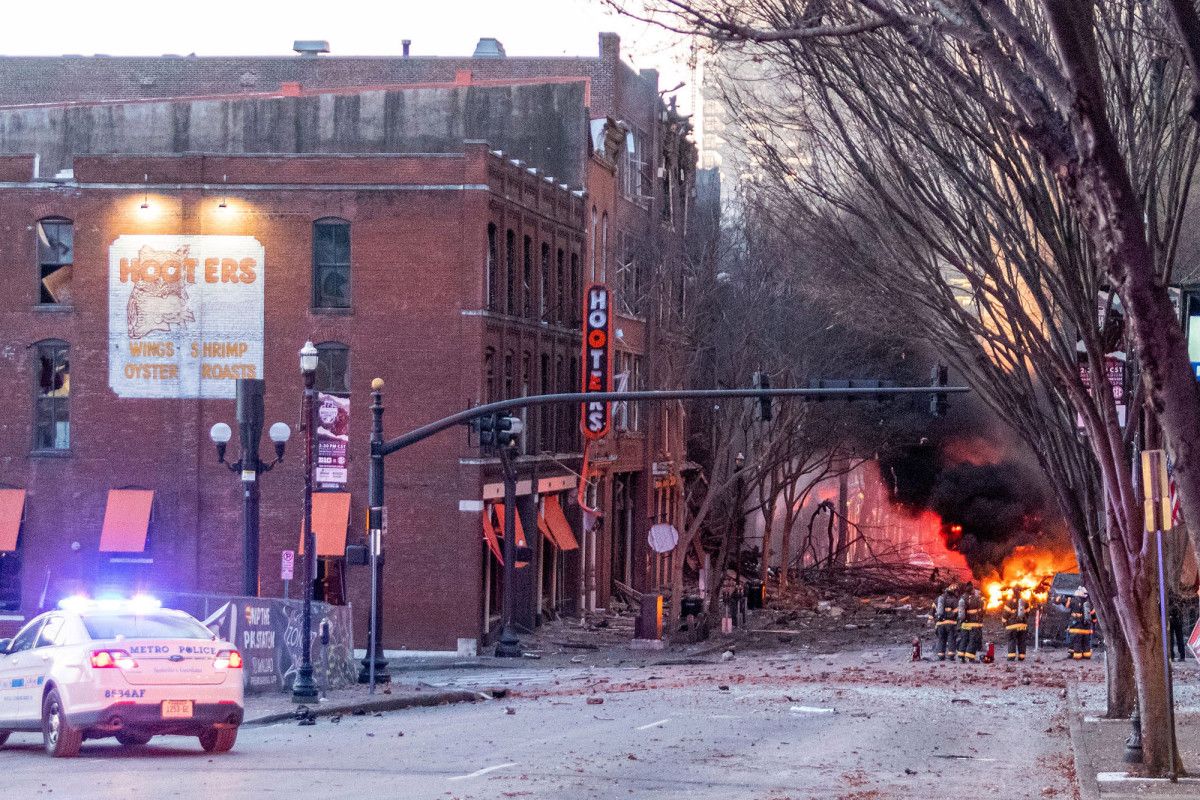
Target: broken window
point(527, 279)
point(510, 280)
point(544, 306)
point(331, 263)
point(333, 368)
point(56, 256)
point(493, 269)
point(52, 426)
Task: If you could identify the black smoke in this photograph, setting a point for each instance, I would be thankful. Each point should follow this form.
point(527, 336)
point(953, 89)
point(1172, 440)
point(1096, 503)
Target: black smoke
point(987, 509)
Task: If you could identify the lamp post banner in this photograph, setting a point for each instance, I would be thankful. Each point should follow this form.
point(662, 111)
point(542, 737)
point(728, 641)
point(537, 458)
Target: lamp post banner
point(333, 440)
point(185, 315)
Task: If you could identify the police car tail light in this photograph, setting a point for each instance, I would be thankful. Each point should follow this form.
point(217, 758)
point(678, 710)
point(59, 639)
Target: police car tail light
point(228, 659)
point(112, 659)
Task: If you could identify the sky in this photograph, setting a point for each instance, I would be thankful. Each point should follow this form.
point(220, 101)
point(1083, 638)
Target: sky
point(352, 27)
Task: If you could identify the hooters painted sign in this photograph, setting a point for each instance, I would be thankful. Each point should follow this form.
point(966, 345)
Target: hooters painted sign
point(597, 358)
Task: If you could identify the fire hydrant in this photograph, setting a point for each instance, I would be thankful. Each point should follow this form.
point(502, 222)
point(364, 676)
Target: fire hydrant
point(916, 651)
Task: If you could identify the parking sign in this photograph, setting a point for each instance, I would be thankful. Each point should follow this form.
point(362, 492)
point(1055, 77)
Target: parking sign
point(287, 563)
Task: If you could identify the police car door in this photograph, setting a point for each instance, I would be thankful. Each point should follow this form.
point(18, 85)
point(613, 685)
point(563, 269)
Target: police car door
point(16, 667)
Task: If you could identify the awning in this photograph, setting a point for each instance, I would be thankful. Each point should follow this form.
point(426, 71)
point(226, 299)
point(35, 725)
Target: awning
point(520, 530)
point(126, 520)
point(489, 534)
point(330, 519)
point(556, 525)
point(12, 507)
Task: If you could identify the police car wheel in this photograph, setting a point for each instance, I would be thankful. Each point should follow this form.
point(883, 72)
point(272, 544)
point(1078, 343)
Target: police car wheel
point(62, 740)
point(3, 737)
point(130, 739)
point(218, 740)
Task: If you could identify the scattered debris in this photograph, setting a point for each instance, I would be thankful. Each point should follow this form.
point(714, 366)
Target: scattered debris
point(811, 710)
point(595, 701)
point(509, 710)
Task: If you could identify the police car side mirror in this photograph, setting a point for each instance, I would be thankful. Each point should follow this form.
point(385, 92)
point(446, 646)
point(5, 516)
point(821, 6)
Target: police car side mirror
point(4, 643)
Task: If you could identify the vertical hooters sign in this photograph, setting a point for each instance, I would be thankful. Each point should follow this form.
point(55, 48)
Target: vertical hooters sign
point(597, 358)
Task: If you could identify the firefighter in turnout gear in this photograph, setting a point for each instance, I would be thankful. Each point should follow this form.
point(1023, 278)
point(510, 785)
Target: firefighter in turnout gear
point(945, 620)
point(1015, 616)
point(1083, 620)
point(970, 623)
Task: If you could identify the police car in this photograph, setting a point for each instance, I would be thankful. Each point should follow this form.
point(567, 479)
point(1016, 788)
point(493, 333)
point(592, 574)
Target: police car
point(129, 669)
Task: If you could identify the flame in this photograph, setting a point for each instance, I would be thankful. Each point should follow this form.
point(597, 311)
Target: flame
point(1028, 570)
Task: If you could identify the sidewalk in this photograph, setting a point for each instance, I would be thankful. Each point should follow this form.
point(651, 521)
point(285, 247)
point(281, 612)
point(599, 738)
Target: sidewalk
point(265, 709)
point(1099, 743)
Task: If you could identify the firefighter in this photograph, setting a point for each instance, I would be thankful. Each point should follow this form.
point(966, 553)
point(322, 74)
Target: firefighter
point(1083, 620)
point(1015, 616)
point(945, 619)
point(970, 623)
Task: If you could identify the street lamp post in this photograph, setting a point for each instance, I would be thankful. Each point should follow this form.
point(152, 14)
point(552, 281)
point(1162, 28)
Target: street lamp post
point(304, 690)
point(509, 645)
point(249, 466)
point(374, 665)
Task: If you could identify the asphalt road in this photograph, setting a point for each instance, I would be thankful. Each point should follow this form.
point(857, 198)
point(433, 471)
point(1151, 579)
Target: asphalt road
point(782, 728)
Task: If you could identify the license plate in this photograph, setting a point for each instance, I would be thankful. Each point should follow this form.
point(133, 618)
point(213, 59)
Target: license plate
point(177, 709)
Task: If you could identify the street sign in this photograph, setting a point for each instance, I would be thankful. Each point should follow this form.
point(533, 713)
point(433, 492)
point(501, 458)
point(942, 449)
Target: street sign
point(1194, 642)
point(287, 564)
point(1155, 494)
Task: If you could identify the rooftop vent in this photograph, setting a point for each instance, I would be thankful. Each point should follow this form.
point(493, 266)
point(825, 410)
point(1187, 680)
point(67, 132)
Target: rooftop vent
point(310, 47)
point(488, 48)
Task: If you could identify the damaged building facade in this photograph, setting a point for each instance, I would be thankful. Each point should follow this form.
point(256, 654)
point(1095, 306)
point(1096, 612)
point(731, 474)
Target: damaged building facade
point(182, 222)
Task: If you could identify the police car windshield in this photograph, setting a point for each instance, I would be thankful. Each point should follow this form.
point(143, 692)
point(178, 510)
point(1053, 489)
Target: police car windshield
point(117, 625)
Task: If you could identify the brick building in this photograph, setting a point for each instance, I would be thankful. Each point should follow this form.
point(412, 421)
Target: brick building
point(466, 265)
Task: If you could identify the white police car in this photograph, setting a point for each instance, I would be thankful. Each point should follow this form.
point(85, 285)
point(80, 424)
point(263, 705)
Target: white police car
point(128, 669)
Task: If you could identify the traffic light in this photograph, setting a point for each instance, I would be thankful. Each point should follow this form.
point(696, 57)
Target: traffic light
point(508, 430)
point(763, 381)
point(938, 402)
point(486, 428)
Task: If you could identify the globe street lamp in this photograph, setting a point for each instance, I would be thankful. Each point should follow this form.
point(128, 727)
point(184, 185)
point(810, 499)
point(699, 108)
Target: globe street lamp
point(250, 393)
point(304, 690)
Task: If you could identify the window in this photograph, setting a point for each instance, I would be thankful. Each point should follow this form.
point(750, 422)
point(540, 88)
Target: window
point(546, 420)
point(527, 279)
point(544, 285)
point(331, 263)
point(592, 247)
point(603, 277)
point(635, 170)
point(161, 625)
point(526, 376)
point(333, 368)
point(55, 254)
point(574, 379)
point(510, 263)
point(576, 294)
point(560, 292)
point(28, 635)
point(628, 278)
point(52, 426)
point(562, 411)
point(493, 269)
point(489, 375)
point(508, 376)
point(49, 636)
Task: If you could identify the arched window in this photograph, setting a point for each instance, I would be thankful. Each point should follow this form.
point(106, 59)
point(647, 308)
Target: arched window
point(333, 368)
point(544, 285)
point(52, 392)
point(489, 375)
point(56, 258)
point(331, 263)
point(560, 292)
point(575, 301)
point(527, 279)
point(492, 276)
point(592, 247)
point(510, 265)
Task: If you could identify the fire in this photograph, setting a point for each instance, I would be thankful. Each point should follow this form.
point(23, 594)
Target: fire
point(1028, 570)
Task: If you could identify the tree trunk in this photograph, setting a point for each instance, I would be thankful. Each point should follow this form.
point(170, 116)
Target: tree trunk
point(1118, 664)
point(768, 524)
point(1153, 701)
point(785, 548)
point(843, 510)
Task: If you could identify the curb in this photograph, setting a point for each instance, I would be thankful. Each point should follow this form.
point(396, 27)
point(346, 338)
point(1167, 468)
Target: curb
point(1085, 776)
point(380, 703)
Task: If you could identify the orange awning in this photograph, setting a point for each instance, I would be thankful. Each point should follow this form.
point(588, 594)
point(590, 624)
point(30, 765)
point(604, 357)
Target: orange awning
point(12, 507)
point(489, 535)
point(556, 522)
point(330, 518)
point(126, 520)
point(520, 530)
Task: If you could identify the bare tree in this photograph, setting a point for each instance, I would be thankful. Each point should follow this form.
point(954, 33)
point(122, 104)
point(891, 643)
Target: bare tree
point(989, 166)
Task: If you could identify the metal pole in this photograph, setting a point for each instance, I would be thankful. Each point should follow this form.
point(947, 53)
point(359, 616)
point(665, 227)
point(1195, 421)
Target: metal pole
point(1166, 645)
point(509, 645)
point(1037, 631)
point(250, 504)
point(374, 666)
point(303, 688)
